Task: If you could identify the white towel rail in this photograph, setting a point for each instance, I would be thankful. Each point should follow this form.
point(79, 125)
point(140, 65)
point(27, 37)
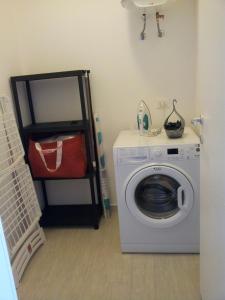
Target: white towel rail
point(11, 149)
point(19, 207)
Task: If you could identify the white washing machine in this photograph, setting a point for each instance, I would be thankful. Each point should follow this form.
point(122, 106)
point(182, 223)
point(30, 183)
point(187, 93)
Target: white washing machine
point(157, 183)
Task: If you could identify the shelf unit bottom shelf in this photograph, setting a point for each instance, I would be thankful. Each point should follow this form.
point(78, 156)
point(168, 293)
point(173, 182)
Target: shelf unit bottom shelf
point(71, 215)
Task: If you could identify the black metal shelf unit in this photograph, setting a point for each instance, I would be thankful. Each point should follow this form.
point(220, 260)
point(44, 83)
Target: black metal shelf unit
point(64, 215)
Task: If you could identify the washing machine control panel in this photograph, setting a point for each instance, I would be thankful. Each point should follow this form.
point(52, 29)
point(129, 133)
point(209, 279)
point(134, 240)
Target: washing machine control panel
point(154, 154)
point(184, 152)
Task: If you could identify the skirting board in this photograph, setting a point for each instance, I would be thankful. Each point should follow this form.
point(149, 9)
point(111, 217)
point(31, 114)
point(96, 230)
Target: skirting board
point(23, 256)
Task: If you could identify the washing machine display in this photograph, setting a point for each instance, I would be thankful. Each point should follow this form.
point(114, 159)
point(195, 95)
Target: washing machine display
point(172, 151)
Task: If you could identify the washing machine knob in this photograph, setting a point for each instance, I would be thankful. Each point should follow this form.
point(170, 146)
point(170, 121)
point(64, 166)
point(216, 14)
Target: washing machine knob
point(158, 153)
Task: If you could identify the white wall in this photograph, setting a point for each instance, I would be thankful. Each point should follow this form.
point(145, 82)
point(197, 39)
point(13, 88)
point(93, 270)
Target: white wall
point(211, 103)
point(102, 36)
point(9, 53)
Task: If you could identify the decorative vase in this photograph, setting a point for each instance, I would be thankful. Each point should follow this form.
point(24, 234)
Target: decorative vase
point(175, 129)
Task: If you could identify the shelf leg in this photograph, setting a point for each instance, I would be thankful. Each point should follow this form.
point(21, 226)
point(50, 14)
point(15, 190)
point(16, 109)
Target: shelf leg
point(44, 191)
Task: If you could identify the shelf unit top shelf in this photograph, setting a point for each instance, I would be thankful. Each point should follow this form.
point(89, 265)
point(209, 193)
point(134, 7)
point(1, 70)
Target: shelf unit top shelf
point(63, 126)
point(54, 75)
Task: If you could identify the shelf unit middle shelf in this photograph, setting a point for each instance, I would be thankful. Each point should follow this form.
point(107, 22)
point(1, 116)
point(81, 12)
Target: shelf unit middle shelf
point(51, 127)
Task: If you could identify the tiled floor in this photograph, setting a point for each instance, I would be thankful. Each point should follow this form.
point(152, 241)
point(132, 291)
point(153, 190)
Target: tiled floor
point(86, 264)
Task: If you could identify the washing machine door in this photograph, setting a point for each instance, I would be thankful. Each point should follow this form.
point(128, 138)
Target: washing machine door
point(159, 196)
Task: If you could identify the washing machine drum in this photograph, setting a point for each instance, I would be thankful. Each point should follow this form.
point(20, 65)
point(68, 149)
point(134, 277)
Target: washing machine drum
point(160, 196)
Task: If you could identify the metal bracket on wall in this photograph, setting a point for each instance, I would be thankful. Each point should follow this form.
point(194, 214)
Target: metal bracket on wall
point(159, 17)
point(144, 27)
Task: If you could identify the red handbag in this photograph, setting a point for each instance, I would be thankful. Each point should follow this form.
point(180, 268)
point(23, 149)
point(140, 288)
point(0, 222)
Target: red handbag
point(64, 157)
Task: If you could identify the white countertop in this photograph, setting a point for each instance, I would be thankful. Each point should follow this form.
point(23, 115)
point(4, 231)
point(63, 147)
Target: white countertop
point(131, 138)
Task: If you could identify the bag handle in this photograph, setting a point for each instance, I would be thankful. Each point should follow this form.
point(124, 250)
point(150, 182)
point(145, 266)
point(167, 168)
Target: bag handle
point(58, 151)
